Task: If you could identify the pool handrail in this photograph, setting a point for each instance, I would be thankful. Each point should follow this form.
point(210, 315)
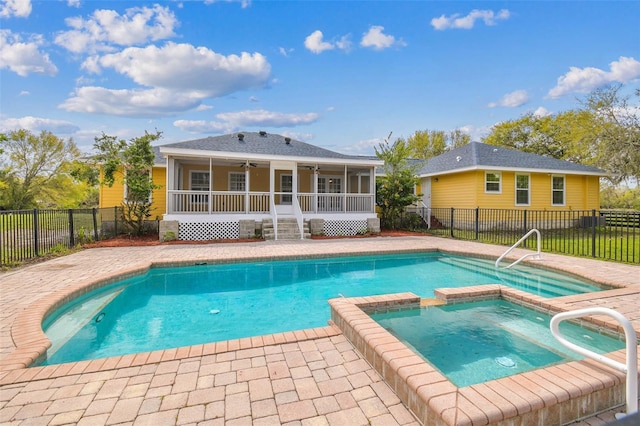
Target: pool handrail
point(536, 255)
point(631, 366)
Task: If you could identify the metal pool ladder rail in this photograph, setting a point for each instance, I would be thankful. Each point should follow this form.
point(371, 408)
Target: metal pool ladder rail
point(631, 367)
point(536, 254)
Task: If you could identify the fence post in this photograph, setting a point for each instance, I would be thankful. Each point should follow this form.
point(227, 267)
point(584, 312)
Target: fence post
point(72, 239)
point(95, 224)
point(451, 225)
point(524, 223)
point(593, 233)
point(36, 242)
point(115, 220)
point(477, 223)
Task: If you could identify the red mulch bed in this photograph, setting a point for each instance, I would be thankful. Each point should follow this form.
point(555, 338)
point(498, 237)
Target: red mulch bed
point(154, 240)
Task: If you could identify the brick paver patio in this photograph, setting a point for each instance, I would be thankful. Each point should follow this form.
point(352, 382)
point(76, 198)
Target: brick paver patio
point(316, 378)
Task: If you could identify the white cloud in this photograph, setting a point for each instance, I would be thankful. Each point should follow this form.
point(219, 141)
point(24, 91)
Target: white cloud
point(38, 124)
point(512, 100)
point(285, 52)
point(315, 44)
point(209, 74)
point(24, 58)
point(105, 29)
point(344, 43)
point(131, 102)
point(24, 93)
point(541, 112)
point(18, 8)
point(467, 22)
point(73, 3)
point(375, 39)
point(232, 121)
point(202, 126)
point(243, 3)
point(584, 80)
point(364, 147)
point(167, 86)
point(476, 133)
point(261, 117)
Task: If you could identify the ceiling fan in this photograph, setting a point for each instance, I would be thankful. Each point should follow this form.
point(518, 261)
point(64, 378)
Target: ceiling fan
point(247, 164)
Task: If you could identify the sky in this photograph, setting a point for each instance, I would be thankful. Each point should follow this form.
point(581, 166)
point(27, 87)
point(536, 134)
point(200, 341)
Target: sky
point(342, 75)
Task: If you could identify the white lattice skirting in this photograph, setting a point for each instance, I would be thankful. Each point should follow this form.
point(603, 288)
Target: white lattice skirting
point(334, 228)
point(198, 231)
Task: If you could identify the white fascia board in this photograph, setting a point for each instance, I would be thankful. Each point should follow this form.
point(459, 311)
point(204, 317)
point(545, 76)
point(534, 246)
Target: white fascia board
point(514, 169)
point(196, 153)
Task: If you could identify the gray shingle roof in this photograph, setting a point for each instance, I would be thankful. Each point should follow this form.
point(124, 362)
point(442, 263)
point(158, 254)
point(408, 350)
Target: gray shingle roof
point(476, 155)
point(260, 143)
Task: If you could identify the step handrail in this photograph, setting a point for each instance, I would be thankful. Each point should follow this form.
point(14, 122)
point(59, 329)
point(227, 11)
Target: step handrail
point(428, 218)
point(297, 211)
point(631, 366)
point(536, 254)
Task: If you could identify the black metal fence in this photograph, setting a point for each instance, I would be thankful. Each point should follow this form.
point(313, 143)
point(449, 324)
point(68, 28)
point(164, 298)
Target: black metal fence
point(603, 234)
point(27, 234)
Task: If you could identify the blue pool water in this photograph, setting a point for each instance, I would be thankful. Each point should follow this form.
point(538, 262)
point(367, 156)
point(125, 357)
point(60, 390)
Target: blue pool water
point(479, 341)
point(171, 307)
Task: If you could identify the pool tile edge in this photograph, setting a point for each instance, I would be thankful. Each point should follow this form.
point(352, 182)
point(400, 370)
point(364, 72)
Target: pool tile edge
point(568, 392)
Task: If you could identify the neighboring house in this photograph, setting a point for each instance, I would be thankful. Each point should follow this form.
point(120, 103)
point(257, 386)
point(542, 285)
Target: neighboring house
point(491, 177)
point(255, 183)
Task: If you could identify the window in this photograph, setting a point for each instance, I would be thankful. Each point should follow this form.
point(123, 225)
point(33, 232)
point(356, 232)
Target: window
point(332, 185)
point(522, 190)
point(492, 182)
point(199, 181)
point(557, 190)
point(237, 182)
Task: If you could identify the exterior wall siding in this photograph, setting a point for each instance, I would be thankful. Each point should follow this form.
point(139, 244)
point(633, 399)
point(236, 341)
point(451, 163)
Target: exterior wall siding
point(159, 196)
point(467, 190)
point(455, 190)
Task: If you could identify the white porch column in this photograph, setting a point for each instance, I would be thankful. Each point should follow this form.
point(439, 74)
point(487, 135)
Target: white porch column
point(344, 190)
point(372, 188)
point(316, 172)
point(169, 184)
point(247, 176)
point(210, 185)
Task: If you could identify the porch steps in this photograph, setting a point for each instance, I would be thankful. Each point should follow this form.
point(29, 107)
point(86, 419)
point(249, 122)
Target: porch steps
point(287, 229)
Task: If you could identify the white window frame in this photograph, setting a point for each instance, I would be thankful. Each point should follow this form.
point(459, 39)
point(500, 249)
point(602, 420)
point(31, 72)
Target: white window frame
point(329, 184)
point(499, 190)
point(231, 182)
point(204, 172)
point(528, 189)
point(554, 191)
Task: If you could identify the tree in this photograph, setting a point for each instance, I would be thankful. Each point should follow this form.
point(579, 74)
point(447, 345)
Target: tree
point(616, 128)
point(133, 161)
point(424, 144)
point(395, 190)
point(35, 171)
point(562, 136)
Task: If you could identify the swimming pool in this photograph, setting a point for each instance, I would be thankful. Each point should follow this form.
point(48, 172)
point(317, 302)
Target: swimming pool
point(171, 307)
point(479, 341)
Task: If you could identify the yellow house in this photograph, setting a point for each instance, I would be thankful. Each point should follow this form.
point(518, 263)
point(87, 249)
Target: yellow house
point(484, 176)
point(242, 184)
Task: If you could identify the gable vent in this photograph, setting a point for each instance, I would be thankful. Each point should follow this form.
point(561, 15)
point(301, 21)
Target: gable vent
point(240, 136)
point(263, 133)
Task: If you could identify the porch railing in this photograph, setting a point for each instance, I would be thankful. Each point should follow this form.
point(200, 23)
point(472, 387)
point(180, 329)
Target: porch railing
point(336, 203)
point(218, 202)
